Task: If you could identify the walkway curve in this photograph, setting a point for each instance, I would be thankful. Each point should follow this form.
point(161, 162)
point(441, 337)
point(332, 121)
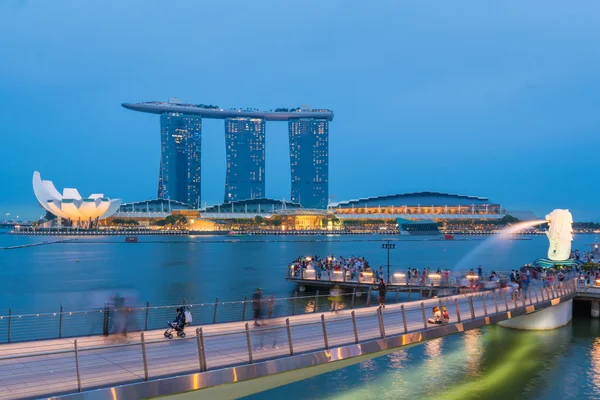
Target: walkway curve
point(230, 352)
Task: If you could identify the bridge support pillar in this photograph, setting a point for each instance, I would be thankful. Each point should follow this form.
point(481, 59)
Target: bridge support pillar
point(595, 308)
point(549, 318)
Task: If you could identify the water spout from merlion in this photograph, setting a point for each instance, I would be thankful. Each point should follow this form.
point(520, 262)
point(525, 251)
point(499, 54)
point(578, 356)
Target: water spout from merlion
point(560, 234)
point(475, 256)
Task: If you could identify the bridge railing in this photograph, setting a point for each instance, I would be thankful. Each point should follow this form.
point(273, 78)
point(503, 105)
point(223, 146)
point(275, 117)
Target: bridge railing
point(16, 327)
point(94, 364)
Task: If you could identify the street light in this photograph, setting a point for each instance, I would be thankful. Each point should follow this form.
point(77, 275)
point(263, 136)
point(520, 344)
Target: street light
point(389, 246)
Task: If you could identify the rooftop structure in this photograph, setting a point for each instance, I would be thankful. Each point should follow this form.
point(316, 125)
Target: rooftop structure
point(181, 130)
point(253, 206)
point(214, 112)
point(71, 205)
point(429, 203)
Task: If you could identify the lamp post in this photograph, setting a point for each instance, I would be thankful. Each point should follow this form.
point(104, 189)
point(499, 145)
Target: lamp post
point(388, 246)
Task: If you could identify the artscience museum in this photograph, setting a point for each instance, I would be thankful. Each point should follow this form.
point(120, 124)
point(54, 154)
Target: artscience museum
point(71, 205)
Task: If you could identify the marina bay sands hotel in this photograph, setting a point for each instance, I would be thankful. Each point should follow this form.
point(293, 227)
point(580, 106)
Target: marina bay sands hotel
point(181, 132)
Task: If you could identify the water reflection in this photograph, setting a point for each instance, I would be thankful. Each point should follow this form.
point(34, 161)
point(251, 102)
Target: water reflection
point(490, 363)
point(595, 367)
point(473, 351)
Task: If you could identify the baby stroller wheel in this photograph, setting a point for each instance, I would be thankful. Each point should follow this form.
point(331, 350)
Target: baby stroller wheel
point(181, 334)
point(166, 334)
point(170, 336)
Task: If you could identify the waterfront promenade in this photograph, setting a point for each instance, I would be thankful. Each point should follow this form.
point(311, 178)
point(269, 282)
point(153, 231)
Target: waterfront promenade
point(233, 351)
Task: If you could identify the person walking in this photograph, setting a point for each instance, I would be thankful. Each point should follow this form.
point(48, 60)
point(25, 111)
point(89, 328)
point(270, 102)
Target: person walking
point(256, 305)
point(382, 291)
point(335, 298)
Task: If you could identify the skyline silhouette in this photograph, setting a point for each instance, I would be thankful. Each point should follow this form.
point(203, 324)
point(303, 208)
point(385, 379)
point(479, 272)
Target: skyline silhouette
point(493, 100)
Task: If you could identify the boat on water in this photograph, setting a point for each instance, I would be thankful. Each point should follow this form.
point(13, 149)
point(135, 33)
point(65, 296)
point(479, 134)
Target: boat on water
point(448, 236)
point(209, 233)
point(131, 239)
point(408, 227)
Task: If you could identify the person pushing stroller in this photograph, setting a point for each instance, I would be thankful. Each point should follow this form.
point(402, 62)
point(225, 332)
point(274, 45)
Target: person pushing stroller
point(183, 318)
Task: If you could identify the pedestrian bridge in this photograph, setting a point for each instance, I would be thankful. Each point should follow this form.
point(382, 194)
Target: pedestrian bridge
point(148, 365)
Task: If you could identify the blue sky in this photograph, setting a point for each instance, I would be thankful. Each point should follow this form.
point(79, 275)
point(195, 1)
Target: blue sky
point(490, 99)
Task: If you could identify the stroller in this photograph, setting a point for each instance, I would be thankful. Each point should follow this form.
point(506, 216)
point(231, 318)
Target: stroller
point(183, 318)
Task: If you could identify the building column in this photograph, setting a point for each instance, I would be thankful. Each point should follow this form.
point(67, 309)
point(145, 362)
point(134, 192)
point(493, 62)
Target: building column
point(595, 308)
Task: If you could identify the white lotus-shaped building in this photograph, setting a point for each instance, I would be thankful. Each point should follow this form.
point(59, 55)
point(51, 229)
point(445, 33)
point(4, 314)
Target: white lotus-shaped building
point(70, 204)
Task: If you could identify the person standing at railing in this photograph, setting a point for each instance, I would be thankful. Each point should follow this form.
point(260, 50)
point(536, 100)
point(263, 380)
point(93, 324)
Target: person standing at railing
point(480, 272)
point(382, 289)
point(335, 298)
point(256, 305)
point(561, 279)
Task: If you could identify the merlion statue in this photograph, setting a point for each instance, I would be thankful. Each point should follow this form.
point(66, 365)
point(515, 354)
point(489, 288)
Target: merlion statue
point(560, 234)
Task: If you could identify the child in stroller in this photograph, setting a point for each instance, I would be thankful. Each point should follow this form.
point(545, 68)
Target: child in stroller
point(183, 318)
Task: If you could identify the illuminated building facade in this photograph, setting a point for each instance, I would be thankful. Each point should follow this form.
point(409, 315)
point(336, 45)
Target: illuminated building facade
point(181, 146)
point(431, 205)
point(309, 161)
point(245, 148)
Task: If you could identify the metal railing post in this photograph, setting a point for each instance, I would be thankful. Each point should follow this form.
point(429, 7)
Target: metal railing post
point(146, 318)
point(244, 308)
point(353, 297)
point(537, 299)
point(144, 359)
point(271, 300)
point(505, 300)
point(485, 312)
point(495, 301)
point(199, 344)
point(60, 319)
point(529, 294)
point(9, 323)
point(397, 294)
point(381, 327)
point(515, 298)
point(295, 301)
point(354, 327)
point(542, 293)
point(204, 365)
point(424, 316)
point(471, 307)
point(457, 311)
point(215, 311)
point(369, 297)
point(105, 320)
point(289, 334)
point(404, 318)
point(316, 307)
point(523, 297)
point(77, 366)
point(324, 332)
point(248, 342)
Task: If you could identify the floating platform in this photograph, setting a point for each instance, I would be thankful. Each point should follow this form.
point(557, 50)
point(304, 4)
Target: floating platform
point(547, 263)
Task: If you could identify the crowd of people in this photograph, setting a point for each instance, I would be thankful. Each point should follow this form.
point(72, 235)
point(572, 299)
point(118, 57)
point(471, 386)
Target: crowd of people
point(324, 267)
